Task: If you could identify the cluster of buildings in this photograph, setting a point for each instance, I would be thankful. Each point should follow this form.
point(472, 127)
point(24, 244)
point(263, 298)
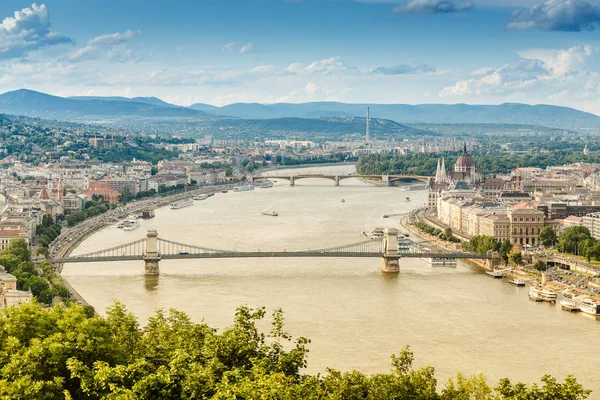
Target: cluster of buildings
point(9, 295)
point(516, 206)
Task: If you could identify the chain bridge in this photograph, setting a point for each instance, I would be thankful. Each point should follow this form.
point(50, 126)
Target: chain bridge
point(153, 249)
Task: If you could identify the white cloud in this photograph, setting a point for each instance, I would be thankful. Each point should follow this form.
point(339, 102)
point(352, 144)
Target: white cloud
point(228, 47)
point(546, 69)
point(432, 6)
point(112, 47)
point(247, 48)
point(28, 30)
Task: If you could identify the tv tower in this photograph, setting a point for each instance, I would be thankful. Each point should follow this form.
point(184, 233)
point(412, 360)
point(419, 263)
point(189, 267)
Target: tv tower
point(367, 138)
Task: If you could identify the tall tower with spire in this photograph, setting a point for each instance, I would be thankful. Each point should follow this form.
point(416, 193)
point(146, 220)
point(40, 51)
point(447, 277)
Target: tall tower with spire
point(368, 123)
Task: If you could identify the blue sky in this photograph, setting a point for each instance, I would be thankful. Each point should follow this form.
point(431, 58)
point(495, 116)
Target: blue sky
point(371, 51)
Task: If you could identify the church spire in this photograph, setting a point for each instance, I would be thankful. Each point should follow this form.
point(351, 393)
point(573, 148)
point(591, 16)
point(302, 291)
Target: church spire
point(465, 148)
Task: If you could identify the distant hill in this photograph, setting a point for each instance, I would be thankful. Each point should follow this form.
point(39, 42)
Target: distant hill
point(331, 128)
point(34, 104)
point(509, 113)
point(155, 101)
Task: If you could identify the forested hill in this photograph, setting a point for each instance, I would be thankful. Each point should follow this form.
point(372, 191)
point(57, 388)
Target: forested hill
point(488, 163)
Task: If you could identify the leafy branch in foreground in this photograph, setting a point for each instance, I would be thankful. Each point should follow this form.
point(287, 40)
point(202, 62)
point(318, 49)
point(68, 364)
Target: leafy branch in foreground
point(63, 353)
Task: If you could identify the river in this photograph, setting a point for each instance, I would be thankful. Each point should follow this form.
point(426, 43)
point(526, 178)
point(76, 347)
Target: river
point(455, 319)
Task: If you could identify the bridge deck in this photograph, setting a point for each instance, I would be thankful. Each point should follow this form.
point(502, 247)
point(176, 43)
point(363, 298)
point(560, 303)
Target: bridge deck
point(280, 254)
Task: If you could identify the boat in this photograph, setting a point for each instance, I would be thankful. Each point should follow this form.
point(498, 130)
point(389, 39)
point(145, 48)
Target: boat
point(131, 223)
point(210, 194)
point(147, 213)
point(270, 213)
point(200, 197)
point(496, 273)
point(243, 188)
point(181, 204)
point(569, 305)
point(343, 200)
point(517, 282)
point(587, 305)
point(266, 185)
point(407, 199)
point(224, 191)
point(541, 293)
point(440, 262)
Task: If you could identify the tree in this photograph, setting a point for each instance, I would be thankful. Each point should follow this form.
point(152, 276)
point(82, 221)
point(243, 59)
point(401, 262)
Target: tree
point(548, 237)
point(572, 237)
point(68, 352)
point(540, 266)
point(505, 249)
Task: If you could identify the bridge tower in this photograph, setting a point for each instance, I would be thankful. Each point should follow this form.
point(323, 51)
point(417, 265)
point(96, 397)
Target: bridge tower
point(151, 256)
point(385, 180)
point(292, 181)
point(391, 257)
point(337, 180)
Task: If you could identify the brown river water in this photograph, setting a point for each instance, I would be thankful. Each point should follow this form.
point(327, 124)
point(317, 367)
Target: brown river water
point(455, 319)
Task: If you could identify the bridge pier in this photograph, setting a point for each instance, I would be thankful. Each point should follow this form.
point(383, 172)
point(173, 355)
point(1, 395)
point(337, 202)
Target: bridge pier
point(151, 256)
point(494, 261)
point(391, 257)
point(337, 180)
point(292, 181)
point(385, 180)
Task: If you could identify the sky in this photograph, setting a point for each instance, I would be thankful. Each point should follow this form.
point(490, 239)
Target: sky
point(360, 51)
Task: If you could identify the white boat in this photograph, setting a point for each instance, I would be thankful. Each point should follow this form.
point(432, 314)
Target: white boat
point(517, 282)
point(541, 293)
point(266, 185)
point(181, 204)
point(587, 305)
point(270, 213)
point(569, 305)
point(200, 197)
point(243, 188)
point(440, 262)
point(131, 223)
point(497, 273)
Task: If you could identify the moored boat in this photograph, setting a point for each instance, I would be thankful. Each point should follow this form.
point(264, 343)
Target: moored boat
point(587, 305)
point(243, 188)
point(200, 197)
point(541, 293)
point(181, 204)
point(517, 282)
point(266, 185)
point(147, 213)
point(131, 223)
point(270, 213)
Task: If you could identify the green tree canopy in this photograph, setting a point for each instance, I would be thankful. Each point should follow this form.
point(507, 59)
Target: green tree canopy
point(548, 237)
point(70, 353)
point(572, 237)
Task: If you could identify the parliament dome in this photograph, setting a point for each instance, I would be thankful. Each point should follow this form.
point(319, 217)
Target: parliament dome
point(464, 163)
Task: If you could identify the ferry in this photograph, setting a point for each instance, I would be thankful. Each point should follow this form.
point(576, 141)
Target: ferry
point(181, 204)
point(131, 223)
point(517, 282)
point(200, 197)
point(270, 213)
point(587, 305)
point(540, 293)
point(266, 185)
point(243, 188)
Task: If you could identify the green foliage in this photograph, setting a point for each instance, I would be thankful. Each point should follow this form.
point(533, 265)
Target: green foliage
point(548, 237)
point(572, 237)
point(446, 235)
point(92, 208)
point(481, 244)
point(490, 162)
point(69, 353)
point(540, 266)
